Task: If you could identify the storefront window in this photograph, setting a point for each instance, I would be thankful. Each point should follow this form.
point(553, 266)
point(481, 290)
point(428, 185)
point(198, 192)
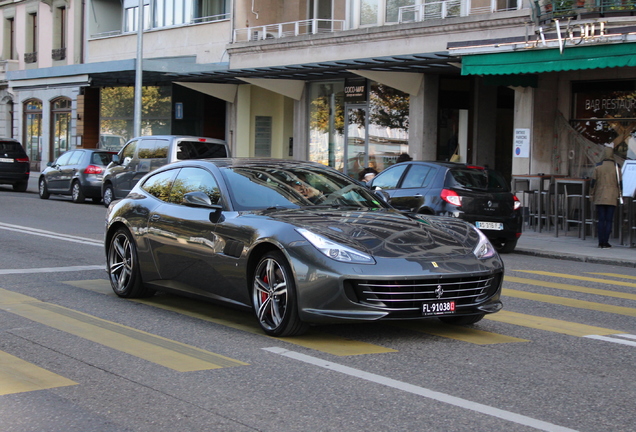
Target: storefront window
point(605, 113)
point(61, 136)
point(388, 125)
point(33, 129)
point(326, 123)
point(117, 107)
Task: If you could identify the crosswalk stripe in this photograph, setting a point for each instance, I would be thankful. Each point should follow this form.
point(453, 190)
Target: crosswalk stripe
point(574, 288)
point(581, 278)
point(549, 324)
point(156, 349)
point(611, 339)
point(464, 334)
point(19, 376)
point(616, 275)
point(564, 301)
point(313, 339)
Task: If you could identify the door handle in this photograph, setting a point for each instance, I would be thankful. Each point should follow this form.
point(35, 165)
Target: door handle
point(155, 217)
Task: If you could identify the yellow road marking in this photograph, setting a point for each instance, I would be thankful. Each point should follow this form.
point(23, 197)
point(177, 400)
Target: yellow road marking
point(617, 275)
point(464, 334)
point(549, 324)
point(239, 320)
point(581, 278)
point(564, 301)
point(18, 376)
point(575, 288)
point(156, 349)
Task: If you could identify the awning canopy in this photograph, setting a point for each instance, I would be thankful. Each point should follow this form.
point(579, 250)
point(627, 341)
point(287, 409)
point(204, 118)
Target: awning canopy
point(550, 60)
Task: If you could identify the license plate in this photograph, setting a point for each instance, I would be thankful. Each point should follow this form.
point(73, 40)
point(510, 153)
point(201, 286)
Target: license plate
point(6, 160)
point(438, 308)
point(490, 225)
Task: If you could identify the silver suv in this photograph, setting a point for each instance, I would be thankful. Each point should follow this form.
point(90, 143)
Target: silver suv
point(144, 154)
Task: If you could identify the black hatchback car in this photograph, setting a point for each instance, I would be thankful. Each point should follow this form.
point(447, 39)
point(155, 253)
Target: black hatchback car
point(77, 173)
point(14, 164)
point(475, 194)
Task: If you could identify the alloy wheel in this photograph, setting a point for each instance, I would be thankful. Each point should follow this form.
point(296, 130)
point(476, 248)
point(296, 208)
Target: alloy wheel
point(270, 294)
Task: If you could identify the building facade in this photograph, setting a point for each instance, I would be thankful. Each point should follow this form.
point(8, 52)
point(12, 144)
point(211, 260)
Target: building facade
point(347, 83)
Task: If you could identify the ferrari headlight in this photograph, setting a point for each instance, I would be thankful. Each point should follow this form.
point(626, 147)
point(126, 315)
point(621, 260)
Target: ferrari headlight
point(334, 250)
point(484, 248)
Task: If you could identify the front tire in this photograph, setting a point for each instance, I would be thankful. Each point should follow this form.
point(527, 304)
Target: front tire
point(76, 193)
point(123, 266)
point(274, 297)
point(462, 320)
point(108, 195)
point(43, 191)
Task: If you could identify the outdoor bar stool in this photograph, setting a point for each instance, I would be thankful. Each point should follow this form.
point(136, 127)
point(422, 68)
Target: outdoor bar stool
point(573, 207)
point(590, 216)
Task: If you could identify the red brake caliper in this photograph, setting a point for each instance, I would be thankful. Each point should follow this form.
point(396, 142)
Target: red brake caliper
point(263, 294)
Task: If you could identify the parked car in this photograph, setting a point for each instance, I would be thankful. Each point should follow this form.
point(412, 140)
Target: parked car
point(14, 165)
point(77, 173)
point(144, 154)
point(475, 194)
point(298, 243)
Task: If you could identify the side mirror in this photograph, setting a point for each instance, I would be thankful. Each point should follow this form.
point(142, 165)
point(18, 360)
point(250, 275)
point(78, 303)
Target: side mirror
point(384, 195)
point(202, 200)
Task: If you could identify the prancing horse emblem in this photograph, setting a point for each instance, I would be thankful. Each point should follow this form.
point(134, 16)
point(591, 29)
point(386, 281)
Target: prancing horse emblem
point(439, 291)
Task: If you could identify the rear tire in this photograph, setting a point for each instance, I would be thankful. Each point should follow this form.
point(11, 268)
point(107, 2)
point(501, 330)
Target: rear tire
point(21, 186)
point(43, 191)
point(274, 297)
point(506, 246)
point(462, 320)
point(76, 192)
point(123, 266)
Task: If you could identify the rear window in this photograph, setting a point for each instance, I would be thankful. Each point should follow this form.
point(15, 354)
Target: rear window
point(10, 147)
point(101, 158)
point(200, 150)
point(476, 179)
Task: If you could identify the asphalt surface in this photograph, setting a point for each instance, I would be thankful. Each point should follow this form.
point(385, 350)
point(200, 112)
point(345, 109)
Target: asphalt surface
point(568, 246)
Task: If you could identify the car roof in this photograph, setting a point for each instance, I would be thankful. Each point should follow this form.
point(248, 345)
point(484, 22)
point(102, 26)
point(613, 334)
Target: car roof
point(171, 137)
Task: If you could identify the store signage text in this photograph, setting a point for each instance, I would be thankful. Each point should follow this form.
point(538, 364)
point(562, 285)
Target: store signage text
point(569, 33)
point(355, 90)
point(610, 104)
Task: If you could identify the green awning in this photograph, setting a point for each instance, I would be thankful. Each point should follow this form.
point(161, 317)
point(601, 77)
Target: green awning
point(550, 60)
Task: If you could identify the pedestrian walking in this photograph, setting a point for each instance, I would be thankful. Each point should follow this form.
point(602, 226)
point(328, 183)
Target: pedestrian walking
point(605, 192)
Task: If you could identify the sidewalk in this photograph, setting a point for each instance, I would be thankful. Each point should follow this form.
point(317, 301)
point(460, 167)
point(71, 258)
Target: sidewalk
point(571, 247)
point(543, 244)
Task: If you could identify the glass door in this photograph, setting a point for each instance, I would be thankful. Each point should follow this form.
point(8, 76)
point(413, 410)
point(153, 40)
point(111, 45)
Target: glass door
point(357, 139)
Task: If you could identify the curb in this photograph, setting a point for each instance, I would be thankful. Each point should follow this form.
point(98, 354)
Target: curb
point(573, 257)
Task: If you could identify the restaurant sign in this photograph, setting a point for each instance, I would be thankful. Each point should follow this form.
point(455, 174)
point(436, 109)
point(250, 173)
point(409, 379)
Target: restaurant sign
point(355, 90)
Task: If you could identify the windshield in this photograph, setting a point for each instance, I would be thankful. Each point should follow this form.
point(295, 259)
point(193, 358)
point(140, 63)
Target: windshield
point(265, 187)
point(474, 178)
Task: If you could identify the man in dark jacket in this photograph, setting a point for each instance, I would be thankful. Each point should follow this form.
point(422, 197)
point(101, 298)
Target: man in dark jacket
point(604, 193)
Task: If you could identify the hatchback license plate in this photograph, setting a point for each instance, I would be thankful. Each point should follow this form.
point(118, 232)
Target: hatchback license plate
point(6, 160)
point(438, 308)
point(490, 225)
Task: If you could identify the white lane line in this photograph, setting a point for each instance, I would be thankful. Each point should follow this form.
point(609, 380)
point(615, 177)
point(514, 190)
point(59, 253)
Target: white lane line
point(615, 340)
point(53, 269)
point(626, 335)
point(50, 234)
point(441, 397)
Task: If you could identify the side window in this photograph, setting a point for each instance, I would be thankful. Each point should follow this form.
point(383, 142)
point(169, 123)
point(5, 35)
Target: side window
point(161, 149)
point(146, 148)
point(418, 176)
point(389, 178)
point(76, 157)
point(63, 160)
point(129, 150)
point(192, 180)
point(159, 185)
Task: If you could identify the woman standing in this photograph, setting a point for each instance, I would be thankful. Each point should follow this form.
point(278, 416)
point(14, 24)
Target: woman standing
point(604, 193)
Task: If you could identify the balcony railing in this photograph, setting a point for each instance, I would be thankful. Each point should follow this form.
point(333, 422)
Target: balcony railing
point(452, 8)
point(552, 9)
point(281, 30)
point(58, 54)
point(31, 57)
point(198, 20)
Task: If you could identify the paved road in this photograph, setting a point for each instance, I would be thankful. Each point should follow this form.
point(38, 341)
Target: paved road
point(74, 357)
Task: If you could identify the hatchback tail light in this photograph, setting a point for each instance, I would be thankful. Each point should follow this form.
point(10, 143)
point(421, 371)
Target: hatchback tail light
point(93, 169)
point(451, 197)
point(24, 159)
point(516, 203)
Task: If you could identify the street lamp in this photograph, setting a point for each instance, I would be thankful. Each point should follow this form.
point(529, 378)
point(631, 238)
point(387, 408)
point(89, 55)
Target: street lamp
point(139, 72)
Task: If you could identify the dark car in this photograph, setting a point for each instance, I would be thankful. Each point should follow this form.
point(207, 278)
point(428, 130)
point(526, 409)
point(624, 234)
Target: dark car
point(147, 153)
point(77, 173)
point(298, 243)
point(479, 196)
point(14, 165)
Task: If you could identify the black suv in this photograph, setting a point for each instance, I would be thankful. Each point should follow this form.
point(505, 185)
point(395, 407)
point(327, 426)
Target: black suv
point(477, 195)
point(14, 165)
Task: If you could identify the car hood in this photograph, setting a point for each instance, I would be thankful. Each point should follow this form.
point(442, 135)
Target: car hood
point(387, 233)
